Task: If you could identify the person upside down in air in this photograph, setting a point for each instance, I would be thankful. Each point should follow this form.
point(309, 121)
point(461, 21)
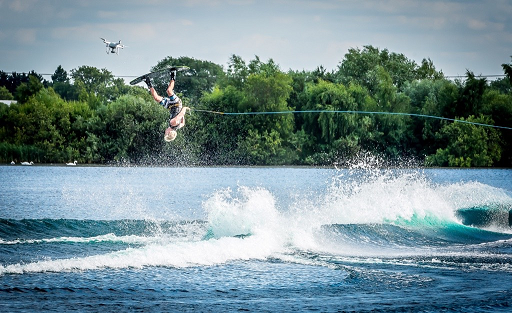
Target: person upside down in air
point(173, 104)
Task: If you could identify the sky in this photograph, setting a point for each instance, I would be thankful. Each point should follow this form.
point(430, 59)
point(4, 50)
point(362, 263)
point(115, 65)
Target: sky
point(457, 35)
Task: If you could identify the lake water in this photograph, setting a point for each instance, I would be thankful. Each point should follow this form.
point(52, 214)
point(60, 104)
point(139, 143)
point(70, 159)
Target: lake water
point(144, 239)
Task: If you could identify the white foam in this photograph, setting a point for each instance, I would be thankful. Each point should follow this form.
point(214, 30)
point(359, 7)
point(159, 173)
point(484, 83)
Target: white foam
point(474, 194)
point(250, 211)
point(386, 197)
point(177, 254)
point(131, 239)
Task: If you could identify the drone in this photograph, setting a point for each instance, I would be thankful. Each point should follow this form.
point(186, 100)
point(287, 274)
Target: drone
point(113, 47)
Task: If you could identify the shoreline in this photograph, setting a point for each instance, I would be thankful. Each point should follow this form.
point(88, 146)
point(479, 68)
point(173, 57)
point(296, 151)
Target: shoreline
point(249, 166)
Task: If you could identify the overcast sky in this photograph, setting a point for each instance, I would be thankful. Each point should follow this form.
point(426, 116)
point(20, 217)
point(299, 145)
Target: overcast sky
point(456, 35)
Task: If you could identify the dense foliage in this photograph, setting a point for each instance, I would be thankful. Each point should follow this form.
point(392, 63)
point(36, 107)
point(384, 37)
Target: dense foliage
point(92, 117)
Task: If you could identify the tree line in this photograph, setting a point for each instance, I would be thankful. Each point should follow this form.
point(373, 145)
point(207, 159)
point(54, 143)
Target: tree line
point(91, 116)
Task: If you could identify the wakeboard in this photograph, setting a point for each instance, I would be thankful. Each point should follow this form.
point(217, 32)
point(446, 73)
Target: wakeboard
point(159, 73)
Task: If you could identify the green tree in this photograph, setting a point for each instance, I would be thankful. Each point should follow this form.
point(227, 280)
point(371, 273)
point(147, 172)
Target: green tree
point(28, 89)
point(4, 80)
point(467, 145)
point(66, 90)
point(60, 75)
point(498, 105)
point(130, 129)
point(428, 97)
point(47, 122)
point(328, 136)
point(62, 85)
point(427, 70)
point(94, 80)
point(12, 81)
point(116, 89)
point(92, 85)
point(263, 148)
point(237, 72)
point(259, 87)
point(5, 94)
point(360, 66)
point(217, 134)
point(470, 97)
point(503, 85)
point(201, 77)
point(266, 89)
point(507, 68)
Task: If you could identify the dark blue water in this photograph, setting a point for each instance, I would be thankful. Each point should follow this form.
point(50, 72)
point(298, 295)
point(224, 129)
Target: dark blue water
point(141, 239)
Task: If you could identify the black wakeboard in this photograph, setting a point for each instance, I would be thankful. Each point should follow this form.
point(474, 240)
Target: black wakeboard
point(159, 73)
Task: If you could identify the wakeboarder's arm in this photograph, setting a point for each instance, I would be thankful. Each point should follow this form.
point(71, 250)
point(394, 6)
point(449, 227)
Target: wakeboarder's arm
point(155, 96)
point(180, 118)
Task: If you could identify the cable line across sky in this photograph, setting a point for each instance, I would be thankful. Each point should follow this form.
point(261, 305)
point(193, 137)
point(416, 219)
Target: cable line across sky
point(354, 112)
